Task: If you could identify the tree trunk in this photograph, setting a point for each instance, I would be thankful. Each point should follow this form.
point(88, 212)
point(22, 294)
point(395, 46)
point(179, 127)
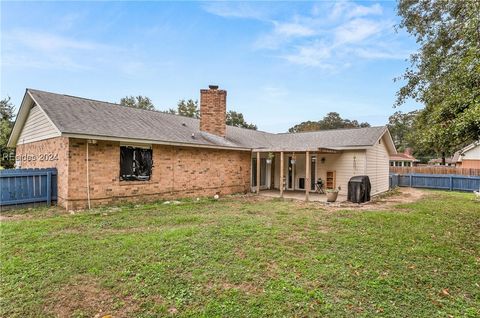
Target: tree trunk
point(443, 158)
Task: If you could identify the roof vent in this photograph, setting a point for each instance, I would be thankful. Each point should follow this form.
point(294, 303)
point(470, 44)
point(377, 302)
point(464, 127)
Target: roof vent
point(184, 125)
point(213, 86)
point(193, 135)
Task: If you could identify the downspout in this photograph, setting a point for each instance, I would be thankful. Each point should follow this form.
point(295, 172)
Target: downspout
point(366, 163)
point(88, 178)
point(174, 149)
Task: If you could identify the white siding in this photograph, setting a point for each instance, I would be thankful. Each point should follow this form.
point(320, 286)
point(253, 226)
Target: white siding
point(37, 127)
point(345, 164)
point(373, 162)
point(299, 169)
point(472, 154)
point(378, 167)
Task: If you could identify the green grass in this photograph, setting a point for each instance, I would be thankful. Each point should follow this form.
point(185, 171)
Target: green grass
point(241, 258)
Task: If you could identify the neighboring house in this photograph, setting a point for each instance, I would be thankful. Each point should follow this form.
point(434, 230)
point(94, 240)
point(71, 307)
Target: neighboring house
point(405, 159)
point(449, 162)
point(108, 153)
point(469, 156)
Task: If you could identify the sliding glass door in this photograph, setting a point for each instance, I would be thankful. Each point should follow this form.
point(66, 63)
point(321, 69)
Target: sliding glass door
point(263, 172)
point(290, 174)
point(313, 172)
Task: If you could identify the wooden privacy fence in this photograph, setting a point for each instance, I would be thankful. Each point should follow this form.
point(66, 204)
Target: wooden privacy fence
point(443, 182)
point(22, 186)
point(435, 170)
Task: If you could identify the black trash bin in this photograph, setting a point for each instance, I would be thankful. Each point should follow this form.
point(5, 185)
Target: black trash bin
point(359, 189)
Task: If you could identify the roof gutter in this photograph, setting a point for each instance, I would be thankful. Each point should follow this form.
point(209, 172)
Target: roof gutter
point(320, 149)
point(154, 142)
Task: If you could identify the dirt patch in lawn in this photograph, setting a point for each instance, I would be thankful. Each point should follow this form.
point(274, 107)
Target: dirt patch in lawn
point(85, 297)
point(385, 201)
point(31, 213)
point(401, 195)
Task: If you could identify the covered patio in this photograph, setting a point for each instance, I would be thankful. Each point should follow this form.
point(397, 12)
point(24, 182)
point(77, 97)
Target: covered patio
point(293, 173)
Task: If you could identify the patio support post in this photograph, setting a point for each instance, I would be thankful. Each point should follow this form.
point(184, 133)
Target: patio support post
point(307, 175)
point(281, 173)
point(258, 172)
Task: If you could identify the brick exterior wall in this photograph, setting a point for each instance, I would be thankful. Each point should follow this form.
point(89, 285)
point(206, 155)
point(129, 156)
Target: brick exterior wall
point(213, 107)
point(59, 148)
point(177, 172)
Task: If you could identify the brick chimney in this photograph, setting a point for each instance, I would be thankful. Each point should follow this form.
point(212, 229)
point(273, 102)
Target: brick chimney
point(408, 151)
point(213, 108)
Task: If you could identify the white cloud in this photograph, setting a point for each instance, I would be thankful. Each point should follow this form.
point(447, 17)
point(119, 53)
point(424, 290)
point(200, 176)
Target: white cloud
point(24, 48)
point(357, 30)
point(332, 36)
point(293, 29)
point(352, 32)
point(315, 54)
point(283, 33)
point(347, 9)
point(46, 41)
point(235, 10)
point(35, 49)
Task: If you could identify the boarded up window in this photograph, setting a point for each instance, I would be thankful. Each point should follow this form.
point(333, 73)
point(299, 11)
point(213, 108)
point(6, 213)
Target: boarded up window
point(135, 163)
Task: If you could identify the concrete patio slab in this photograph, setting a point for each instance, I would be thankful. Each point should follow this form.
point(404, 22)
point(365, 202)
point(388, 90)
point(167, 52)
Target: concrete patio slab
point(300, 195)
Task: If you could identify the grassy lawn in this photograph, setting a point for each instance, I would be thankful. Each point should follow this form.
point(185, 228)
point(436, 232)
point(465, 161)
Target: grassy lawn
point(240, 257)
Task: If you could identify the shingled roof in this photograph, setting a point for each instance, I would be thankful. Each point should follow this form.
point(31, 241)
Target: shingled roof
point(86, 118)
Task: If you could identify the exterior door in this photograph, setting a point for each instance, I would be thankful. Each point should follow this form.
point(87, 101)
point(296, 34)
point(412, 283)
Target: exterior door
point(313, 172)
point(263, 172)
point(290, 174)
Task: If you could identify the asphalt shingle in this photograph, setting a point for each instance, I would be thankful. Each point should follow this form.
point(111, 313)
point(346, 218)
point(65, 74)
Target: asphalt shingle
point(76, 115)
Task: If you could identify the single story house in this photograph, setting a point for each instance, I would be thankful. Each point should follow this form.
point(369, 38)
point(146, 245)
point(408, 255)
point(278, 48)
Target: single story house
point(405, 159)
point(449, 162)
point(107, 153)
point(468, 157)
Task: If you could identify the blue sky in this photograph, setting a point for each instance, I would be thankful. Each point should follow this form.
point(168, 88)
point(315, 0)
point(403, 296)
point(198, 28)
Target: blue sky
point(281, 63)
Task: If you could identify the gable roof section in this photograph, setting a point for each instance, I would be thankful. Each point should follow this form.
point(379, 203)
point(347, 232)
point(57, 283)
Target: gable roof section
point(458, 156)
point(86, 118)
point(37, 127)
point(470, 147)
point(403, 157)
point(25, 121)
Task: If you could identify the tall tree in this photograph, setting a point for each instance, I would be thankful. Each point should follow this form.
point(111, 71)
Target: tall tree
point(141, 102)
point(190, 108)
point(405, 129)
point(236, 119)
point(187, 108)
point(400, 125)
point(6, 124)
point(444, 74)
point(332, 120)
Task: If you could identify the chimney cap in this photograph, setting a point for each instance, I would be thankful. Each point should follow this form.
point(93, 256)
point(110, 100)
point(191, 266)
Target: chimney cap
point(213, 86)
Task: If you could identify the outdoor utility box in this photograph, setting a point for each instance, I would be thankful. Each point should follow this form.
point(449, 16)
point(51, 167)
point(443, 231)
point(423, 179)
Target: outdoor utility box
point(359, 189)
